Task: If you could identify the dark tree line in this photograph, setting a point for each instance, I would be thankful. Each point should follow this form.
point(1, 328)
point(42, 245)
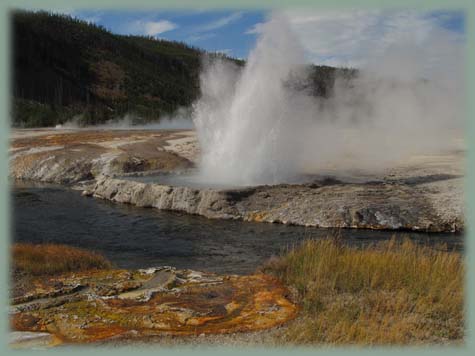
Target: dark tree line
point(63, 66)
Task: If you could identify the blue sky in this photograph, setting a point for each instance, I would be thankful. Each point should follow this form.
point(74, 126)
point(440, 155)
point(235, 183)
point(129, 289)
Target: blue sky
point(222, 31)
point(332, 38)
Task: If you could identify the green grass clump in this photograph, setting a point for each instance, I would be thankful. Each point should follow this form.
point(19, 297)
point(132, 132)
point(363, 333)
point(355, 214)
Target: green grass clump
point(389, 293)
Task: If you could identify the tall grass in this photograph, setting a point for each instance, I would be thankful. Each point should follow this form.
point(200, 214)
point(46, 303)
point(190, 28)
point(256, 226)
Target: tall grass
point(49, 259)
point(390, 293)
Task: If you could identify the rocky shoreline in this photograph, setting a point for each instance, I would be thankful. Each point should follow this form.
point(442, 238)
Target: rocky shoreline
point(378, 205)
point(424, 193)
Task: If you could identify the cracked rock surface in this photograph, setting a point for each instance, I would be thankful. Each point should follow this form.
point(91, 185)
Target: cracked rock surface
point(114, 304)
point(71, 156)
point(377, 205)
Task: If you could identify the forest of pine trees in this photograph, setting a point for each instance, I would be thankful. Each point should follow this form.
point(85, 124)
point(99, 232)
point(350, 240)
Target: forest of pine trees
point(64, 67)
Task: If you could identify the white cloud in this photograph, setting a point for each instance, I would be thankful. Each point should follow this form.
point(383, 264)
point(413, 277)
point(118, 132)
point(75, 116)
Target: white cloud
point(155, 28)
point(92, 19)
point(350, 38)
point(203, 32)
point(255, 29)
point(221, 22)
point(151, 28)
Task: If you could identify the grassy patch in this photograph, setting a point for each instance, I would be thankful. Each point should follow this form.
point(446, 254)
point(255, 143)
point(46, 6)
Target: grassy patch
point(48, 259)
point(389, 293)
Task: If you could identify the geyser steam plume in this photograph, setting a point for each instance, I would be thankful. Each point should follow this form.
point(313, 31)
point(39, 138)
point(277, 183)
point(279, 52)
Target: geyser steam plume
point(256, 127)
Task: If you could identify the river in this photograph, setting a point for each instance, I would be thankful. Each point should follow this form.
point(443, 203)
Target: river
point(133, 237)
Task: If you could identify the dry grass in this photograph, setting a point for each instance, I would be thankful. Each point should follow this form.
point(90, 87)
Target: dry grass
point(391, 293)
point(48, 259)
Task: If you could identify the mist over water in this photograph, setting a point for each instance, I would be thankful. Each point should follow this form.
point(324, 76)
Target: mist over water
point(255, 127)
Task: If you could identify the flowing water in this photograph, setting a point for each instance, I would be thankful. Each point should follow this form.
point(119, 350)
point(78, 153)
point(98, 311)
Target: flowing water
point(133, 237)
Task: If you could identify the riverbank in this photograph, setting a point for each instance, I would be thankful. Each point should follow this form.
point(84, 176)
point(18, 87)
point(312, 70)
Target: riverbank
point(74, 155)
point(395, 292)
point(423, 193)
point(319, 293)
point(76, 297)
point(132, 237)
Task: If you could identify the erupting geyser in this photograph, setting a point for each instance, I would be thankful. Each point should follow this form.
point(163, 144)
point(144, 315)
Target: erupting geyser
point(243, 118)
point(256, 127)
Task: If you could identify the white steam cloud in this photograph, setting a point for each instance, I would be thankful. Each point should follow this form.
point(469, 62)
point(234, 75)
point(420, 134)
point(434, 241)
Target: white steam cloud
point(180, 120)
point(254, 128)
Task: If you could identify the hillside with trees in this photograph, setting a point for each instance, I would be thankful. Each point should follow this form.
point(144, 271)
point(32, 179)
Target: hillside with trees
point(64, 67)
